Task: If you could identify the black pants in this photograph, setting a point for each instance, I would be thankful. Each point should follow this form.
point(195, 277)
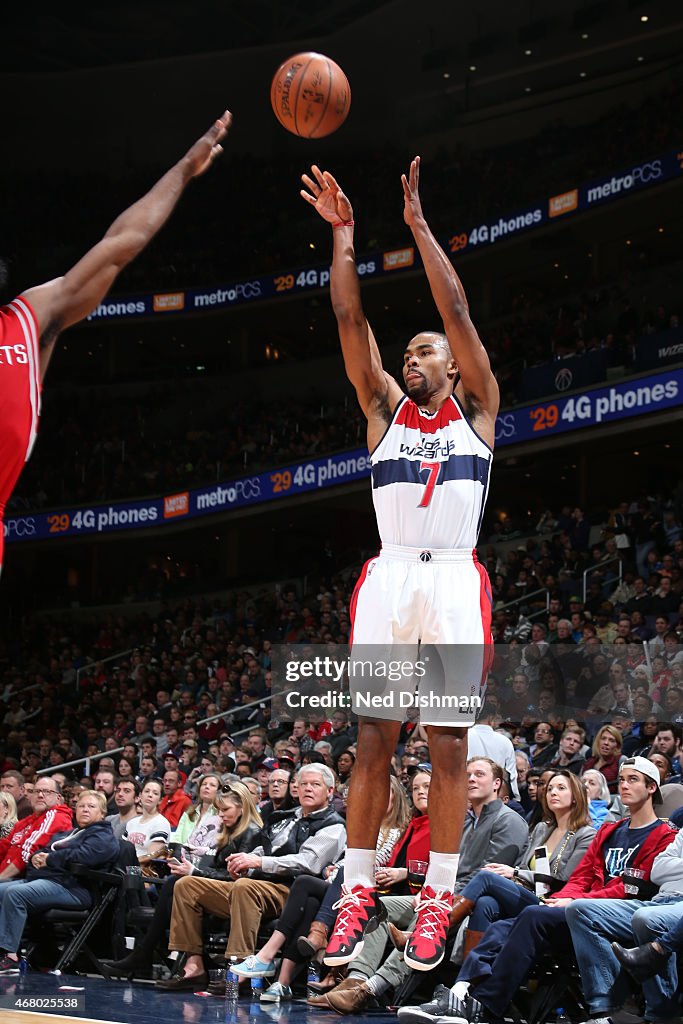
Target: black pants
point(302, 905)
point(160, 923)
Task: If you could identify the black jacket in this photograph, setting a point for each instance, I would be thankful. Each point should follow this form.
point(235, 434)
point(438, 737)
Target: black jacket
point(214, 867)
point(95, 846)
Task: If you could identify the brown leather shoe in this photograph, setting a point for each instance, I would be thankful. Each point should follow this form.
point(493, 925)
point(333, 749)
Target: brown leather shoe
point(399, 938)
point(179, 983)
point(334, 977)
point(316, 940)
point(462, 908)
point(321, 1000)
point(351, 1000)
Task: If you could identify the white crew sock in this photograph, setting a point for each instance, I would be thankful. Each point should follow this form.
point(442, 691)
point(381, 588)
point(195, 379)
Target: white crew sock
point(461, 990)
point(443, 867)
point(359, 868)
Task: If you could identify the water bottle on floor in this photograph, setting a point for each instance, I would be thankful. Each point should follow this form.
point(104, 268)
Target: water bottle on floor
point(313, 976)
point(562, 1017)
point(232, 982)
point(256, 989)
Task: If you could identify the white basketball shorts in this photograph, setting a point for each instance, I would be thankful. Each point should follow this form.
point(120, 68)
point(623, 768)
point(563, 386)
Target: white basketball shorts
point(432, 610)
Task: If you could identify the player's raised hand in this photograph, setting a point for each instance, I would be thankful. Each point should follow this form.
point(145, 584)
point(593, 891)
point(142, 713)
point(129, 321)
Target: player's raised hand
point(326, 196)
point(205, 150)
point(412, 207)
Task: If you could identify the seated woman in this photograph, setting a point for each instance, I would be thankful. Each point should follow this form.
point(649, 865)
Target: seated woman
point(499, 891)
point(344, 767)
point(605, 755)
point(8, 814)
point(198, 827)
point(48, 883)
point(304, 901)
point(240, 833)
point(602, 805)
point(149, 831)
point(537, 780)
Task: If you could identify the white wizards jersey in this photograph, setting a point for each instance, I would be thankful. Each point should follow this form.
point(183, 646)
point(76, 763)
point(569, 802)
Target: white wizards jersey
point(430, 478)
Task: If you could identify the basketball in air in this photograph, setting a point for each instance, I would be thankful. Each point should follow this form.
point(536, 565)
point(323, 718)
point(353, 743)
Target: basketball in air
point(310, 95)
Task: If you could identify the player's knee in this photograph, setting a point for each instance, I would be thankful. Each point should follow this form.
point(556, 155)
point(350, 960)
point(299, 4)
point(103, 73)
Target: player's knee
point(376, 742)
point(448, 750)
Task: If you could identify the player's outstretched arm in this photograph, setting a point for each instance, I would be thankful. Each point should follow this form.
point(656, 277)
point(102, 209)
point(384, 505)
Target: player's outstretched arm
point(451, 301)
point(66, 300)
point(377, 392)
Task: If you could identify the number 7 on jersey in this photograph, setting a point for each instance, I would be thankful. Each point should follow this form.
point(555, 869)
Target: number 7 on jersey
point(433, 468)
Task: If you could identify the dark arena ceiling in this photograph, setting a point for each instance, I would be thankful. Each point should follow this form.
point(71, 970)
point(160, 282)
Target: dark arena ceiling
point(448, 34)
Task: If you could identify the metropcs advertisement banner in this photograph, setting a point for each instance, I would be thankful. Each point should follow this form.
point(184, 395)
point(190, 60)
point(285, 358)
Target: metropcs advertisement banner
point(593, 408)
point(191, 301)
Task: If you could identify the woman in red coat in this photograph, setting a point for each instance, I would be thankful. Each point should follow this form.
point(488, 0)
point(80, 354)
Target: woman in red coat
point(606, 753)
point(414, 844)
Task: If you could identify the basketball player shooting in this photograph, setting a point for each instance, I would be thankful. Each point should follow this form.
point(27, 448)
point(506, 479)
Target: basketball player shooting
point(431, 453)
point(31, 324)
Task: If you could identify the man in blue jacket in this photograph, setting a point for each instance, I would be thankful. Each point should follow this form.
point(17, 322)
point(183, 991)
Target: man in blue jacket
point(49, 883)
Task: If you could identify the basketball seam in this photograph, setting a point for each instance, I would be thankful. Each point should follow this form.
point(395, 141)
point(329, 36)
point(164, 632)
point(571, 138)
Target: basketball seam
point(327, 102)
point(300, 82)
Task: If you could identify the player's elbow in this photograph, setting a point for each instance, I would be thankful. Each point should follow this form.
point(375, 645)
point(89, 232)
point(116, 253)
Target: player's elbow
point(125, 245)
point(458, 312)
point(349, 315)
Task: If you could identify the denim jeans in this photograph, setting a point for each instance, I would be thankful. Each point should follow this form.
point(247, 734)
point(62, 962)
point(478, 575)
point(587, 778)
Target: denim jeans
point(495, 897)
point(594, 924)
point(672, 939)
point(536, 930)
point(18, 899)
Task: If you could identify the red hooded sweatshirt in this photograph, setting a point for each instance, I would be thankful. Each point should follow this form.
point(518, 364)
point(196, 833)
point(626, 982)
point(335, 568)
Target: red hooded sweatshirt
point(589, 880)
point(31, 834)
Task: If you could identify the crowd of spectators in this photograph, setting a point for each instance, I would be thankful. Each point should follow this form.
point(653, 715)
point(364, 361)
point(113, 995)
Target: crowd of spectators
point(214, 655)
point(579, 687)
point(125, 448)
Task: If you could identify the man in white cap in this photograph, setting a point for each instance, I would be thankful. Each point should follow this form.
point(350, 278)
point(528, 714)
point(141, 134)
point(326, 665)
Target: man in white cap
point(587, 910)
point(596, 924)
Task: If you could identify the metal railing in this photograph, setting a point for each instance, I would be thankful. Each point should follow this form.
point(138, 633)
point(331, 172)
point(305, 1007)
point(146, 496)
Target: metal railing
point(598, 565)
point(109, 753)
point(79, 760)
point(526, 597)
point(100, 661)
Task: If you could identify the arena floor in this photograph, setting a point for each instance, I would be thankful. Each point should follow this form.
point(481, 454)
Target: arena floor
point(120, 1002)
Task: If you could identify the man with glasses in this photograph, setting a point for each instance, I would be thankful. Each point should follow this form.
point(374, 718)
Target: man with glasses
point(278, 794)
point(50, 815)
point(544, 748)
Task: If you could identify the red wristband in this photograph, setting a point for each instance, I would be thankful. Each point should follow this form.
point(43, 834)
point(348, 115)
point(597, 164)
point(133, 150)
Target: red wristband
point(343, 224)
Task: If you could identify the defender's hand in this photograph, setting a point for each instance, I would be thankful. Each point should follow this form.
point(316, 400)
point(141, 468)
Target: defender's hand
point(326, 196)
point(205, 150)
